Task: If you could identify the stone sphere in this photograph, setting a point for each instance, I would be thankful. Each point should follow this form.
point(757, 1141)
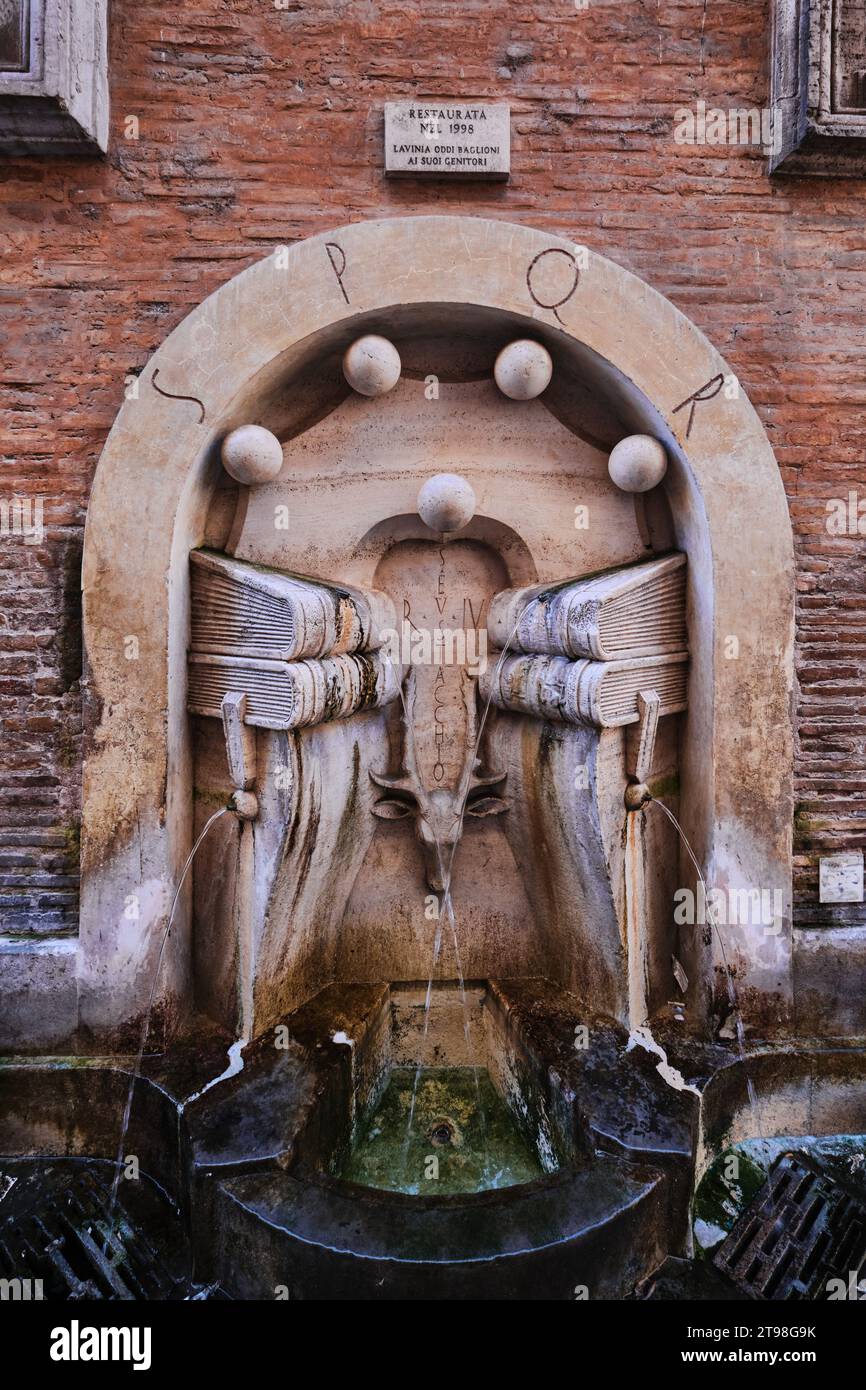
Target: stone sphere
point(252, 454)
point(523, 369)
point(637, 463)
point(371, 365)
point(446, 502)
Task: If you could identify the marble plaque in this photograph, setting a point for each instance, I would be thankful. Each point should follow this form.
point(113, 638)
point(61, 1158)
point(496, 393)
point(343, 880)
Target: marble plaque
point(447, 139)
point(848, 56)
point(841, 878)
point(14, 35)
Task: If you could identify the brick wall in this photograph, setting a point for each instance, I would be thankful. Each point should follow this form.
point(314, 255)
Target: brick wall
point(259, 125)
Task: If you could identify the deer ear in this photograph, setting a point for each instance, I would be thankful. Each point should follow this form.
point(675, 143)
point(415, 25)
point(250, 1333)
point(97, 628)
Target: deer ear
point(391, 810)
point(487, 806)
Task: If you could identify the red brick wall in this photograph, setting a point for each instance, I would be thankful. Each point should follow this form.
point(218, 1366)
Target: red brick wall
point(261, 125)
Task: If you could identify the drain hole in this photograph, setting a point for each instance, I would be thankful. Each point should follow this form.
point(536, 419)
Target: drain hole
point(442, 1133)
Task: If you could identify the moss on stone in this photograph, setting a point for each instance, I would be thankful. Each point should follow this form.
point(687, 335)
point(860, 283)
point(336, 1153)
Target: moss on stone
point(467, 1129)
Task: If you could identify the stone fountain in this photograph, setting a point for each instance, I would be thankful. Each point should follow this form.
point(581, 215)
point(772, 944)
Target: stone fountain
point(418, 549)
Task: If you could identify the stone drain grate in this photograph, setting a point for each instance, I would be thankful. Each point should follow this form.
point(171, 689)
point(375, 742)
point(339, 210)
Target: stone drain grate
point(800, 1231)
point(63, 1242)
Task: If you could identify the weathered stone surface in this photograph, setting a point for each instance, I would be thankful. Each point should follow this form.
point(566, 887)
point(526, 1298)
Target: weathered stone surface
point(39, 993)
point(103, 258)
point(54, 77)
point(637, 463)
point(371, 365)
point(523, 370)
point(841, 878)
point(739, 821)
point(446, 502)
point(252, 455)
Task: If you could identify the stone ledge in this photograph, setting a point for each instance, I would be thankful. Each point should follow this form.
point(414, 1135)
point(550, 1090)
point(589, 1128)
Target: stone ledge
point(39, 993)
point(829, 967)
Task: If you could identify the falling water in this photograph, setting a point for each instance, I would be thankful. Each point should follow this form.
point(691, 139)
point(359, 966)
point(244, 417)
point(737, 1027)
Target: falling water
point(732, 993)
point(235, 1055)
point(448, 906)
point(235, 1066)
point(437, 936)
point(146, 1026)
point(464, 795)
point(446, 872)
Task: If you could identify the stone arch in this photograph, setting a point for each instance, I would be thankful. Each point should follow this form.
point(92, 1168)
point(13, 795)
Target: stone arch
point(159, 467)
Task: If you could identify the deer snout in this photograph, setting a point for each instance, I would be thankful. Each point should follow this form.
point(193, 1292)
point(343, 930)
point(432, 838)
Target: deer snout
point(438, 825)
point(438, 847)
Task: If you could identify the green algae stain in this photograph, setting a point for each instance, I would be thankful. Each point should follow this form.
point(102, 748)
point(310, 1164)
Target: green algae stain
point(463, 1138)
point(741, 1170)
point(726, 1189)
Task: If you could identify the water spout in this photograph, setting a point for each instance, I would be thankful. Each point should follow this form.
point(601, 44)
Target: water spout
point(446, 874)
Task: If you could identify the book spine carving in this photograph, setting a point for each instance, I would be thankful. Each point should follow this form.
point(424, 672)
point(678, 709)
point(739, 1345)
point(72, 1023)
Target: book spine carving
point(293, 694)
point(582, 651)
point(245, 610)
point(303, 651)
point(548, 621)
point(603, 693)
point(635, 611)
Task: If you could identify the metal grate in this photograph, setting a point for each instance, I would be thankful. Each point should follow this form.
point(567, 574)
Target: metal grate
point(66, 1241)
point(801, 1230)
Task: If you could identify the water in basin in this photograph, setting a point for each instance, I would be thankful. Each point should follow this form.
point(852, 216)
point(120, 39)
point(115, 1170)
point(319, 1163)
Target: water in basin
point(463, 1137)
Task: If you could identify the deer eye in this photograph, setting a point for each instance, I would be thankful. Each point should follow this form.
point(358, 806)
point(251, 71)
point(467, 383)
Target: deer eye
point(487, 806)
point(392, 810)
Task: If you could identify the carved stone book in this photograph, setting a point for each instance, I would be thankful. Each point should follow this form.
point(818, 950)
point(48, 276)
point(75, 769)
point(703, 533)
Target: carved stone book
point(288, 695)
point(245, 610)
point(638, 610)
point(602, 693)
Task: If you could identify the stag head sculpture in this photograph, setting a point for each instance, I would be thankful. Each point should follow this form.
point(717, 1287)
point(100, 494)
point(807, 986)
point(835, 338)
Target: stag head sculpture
point(439, 813)
point(453, 788)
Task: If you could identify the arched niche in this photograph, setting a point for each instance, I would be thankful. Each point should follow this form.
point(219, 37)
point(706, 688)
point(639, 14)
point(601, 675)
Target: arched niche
point(241, 356)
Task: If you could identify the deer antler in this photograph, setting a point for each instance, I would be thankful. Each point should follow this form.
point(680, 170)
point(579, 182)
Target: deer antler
point(399, 782)
point(491, 779)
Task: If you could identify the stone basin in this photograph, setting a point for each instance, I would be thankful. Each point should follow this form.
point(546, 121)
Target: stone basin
point(256, 1172)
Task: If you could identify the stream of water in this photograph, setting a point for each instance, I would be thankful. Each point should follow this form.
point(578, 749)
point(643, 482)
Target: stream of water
point(145, 1027)
point(447, 903)
point(733, 999)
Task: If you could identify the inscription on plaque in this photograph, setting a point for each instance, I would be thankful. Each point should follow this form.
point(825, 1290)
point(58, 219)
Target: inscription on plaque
point(841, 878)
point(447, 139)
point(848, 56)
point(14, 35)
